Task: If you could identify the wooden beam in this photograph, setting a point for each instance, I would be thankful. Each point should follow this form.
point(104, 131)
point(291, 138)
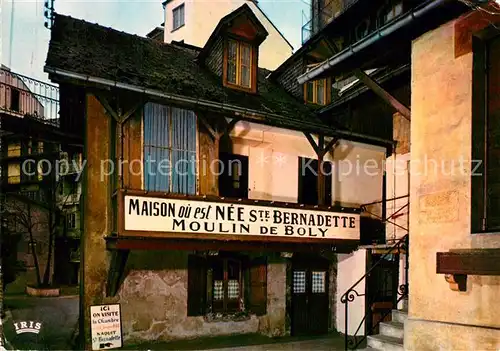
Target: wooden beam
point(207, 125)
point(330, 145)
point(231, 124)
point(381, 92)
point(124, 117)
point(456, 265)
point(118, 243)
point(115, 273)
point(321, 175)
point(458, 282)
point(469, 262)
point(313, 143)
point(107, 106)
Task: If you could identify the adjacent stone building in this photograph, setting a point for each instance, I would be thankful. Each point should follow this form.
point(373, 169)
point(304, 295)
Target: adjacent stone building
point(204, 210)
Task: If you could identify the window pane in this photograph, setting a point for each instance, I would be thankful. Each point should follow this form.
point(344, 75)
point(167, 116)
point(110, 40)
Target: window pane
point(218, 290)
point(245, 76)
point(320, 92)
point(178, 17)
point(14, 173)
point(181, 15)
point(318, 282)
point(183, 151)
point(14, 150)
point(245, 65)
point(310, 92)
point(233, 289)
point(157, 162)
point(231, 62)
point(299, 282)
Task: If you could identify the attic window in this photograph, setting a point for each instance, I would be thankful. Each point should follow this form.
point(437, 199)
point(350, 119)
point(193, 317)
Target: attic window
point(317, 91)
point(239, 66)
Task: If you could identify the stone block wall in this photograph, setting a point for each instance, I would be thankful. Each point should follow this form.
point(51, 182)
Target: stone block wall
point(440, 318)
point(153, 299)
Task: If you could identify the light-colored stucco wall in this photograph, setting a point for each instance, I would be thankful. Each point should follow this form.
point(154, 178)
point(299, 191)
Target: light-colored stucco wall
point(350, 268)
point(439, 318)
point(274, 165)
point(201, 18)
point(397, 175)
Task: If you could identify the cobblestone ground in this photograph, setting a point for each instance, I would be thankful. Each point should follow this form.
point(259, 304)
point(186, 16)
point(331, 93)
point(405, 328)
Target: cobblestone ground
point(58, 317)
point(248, 342)
point(316, 345)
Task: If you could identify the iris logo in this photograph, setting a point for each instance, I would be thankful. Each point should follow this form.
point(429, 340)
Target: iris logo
point(28, 327)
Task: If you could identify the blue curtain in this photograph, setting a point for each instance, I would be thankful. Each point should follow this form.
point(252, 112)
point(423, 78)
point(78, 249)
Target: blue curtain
point(169, 149)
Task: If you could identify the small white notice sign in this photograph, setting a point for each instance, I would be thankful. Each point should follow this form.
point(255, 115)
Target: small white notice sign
point(106, 326)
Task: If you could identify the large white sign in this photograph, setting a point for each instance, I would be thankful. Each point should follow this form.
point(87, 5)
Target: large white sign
point(106, 327)
point(187, 216)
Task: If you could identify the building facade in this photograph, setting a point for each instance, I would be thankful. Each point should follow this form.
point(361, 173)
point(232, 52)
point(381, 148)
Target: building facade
point(204, 210)
point(454, 217)
point(453, 247)
point(193, 21)
point(30, 154)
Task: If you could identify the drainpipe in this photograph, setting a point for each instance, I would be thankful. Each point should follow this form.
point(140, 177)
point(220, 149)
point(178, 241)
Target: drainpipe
point(388, 29)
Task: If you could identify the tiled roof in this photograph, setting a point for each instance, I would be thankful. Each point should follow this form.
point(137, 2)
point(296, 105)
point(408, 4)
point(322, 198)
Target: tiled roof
point(93, 50)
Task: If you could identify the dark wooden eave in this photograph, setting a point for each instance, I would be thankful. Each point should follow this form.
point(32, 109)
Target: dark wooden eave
point(458, 264)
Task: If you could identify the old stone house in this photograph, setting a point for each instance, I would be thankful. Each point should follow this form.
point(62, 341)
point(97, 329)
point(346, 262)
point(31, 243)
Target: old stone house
point(204, 210)
point(452, 50)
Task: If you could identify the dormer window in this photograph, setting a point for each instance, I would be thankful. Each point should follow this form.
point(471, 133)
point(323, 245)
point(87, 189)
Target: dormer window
point(232, 50)
point(317, 92)
point(240, 65)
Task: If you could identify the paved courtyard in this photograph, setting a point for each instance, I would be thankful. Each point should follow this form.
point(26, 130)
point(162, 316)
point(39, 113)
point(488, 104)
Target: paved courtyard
point(58, 317)
point(326, 344)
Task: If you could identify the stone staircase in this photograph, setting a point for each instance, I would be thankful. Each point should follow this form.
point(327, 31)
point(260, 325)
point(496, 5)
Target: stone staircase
point(391, 334)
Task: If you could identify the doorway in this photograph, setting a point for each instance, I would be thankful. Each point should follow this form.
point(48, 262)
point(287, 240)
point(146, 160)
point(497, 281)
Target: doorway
point(382, 288)
point(310, 285)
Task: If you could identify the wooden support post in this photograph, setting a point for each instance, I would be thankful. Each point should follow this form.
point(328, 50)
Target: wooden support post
point(321, 150)
point(381, 92)
point(115, 273)
point(120, 119)
point(217, 165)
point(321, 175)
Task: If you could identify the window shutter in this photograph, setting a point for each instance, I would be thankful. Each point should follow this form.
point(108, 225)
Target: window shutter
point(493, 135)
point(197, 284)
point(257, 286)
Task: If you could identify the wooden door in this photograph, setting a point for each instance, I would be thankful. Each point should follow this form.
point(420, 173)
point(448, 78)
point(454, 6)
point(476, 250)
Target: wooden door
point(310, 308)
point(382, 289)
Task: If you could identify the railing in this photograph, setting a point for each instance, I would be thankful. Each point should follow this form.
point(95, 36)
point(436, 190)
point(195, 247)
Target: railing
point(401, 245)
point(322, 16)
point(23, 96)
point(352, 342)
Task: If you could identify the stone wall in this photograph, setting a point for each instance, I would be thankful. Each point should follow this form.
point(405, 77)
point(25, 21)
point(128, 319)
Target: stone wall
point(153, 299)
point(440, 318)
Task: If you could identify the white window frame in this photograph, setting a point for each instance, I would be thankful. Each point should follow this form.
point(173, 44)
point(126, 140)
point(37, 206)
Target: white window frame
point(178, 17)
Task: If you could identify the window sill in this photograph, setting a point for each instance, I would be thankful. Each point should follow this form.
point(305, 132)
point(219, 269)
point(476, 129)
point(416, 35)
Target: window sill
point(227, 317)
point(176, 29)
point(486, 233)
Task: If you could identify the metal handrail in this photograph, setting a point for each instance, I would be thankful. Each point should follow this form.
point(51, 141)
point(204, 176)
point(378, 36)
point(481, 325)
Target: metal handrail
point(350, 295)
point(23, 96)
point(323, 10)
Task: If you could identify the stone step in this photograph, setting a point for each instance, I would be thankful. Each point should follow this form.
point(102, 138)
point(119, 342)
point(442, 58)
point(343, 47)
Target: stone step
point(392, 329)
point(399, 316)
point(385, 343)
